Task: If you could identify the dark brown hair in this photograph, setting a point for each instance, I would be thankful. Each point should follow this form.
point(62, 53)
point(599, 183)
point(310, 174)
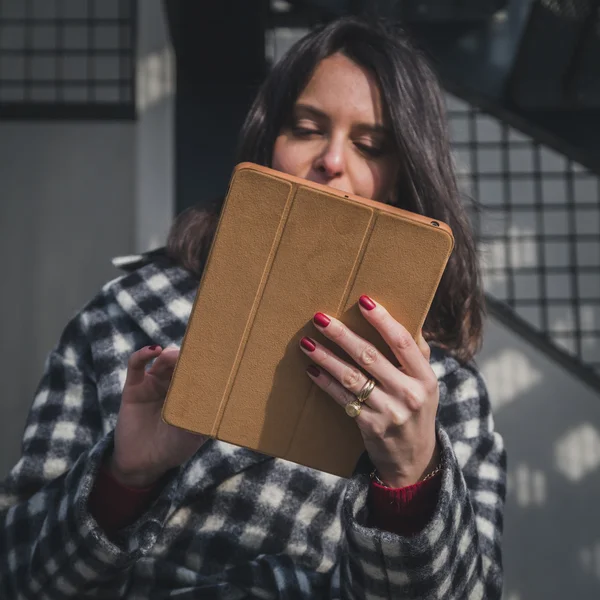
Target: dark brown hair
point(427, 185)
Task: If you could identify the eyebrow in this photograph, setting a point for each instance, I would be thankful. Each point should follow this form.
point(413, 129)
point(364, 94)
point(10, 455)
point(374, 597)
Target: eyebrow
point(374, 128)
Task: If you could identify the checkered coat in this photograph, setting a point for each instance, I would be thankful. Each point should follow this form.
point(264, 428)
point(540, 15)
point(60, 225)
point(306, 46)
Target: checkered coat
point(230, 523)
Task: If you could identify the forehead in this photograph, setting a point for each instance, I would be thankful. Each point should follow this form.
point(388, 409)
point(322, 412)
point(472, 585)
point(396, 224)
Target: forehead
point(345, 89)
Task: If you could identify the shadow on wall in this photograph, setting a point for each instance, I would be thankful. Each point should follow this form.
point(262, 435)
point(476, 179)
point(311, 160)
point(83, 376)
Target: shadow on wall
point(551, 426)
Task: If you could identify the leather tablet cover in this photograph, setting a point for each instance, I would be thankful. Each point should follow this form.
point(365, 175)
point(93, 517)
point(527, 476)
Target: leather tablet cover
point(286, 248)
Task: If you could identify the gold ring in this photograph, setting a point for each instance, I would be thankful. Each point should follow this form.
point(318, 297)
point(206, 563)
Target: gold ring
point(353, 408)
point(366, 391)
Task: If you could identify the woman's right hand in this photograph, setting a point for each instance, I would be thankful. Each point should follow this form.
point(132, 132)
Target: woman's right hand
point(146, 447)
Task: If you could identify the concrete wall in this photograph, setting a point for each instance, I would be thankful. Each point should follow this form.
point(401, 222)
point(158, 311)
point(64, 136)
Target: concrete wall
point(155, 188)
point(66, 208)
point(551, 427)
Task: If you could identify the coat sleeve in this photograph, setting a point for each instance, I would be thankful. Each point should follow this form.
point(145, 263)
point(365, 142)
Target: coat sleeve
point(457, 556)
point(50, 546)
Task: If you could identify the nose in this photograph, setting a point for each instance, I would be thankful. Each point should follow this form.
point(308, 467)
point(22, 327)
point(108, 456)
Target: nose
point(331, 162)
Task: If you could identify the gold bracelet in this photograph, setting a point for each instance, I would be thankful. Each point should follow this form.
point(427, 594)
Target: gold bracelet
point(433, 473)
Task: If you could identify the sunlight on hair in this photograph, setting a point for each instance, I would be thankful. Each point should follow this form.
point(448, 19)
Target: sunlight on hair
point(509, 375)
point(578, 452)
point(589, 557)
point(155, 78)
point(527, 485)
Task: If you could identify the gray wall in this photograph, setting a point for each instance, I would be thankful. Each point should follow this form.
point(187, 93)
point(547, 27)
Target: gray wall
point(551, 427)
point(154, 146)
point(66, 209)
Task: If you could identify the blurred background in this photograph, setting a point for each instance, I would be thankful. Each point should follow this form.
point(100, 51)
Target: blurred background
point(115, 115)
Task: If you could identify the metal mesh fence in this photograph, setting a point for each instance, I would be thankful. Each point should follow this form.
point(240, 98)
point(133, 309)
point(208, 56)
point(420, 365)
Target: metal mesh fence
point(538, 228)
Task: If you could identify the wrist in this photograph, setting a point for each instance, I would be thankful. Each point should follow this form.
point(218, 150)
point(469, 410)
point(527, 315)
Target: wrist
point(132, 478)
point(401, 477)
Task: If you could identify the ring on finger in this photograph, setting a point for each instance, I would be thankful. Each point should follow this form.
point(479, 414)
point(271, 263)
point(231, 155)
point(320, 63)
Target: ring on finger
point(366, 390)
point(353, 408)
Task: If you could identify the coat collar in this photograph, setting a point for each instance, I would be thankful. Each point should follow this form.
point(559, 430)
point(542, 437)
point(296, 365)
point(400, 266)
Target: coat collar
point(159, 297)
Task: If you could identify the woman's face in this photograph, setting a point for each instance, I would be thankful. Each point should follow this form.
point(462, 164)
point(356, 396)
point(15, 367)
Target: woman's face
point(337, 136)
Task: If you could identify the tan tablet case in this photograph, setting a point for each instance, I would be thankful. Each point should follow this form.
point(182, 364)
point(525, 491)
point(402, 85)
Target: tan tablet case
point(286, 248)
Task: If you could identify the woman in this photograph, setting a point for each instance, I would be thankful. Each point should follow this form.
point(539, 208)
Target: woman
point(107, 501)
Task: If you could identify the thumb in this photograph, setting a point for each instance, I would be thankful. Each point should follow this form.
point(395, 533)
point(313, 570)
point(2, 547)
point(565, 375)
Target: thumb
point(165, 364)
point(136, 366)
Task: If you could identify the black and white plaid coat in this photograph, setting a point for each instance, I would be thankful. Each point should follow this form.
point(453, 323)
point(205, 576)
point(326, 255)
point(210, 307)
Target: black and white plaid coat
point(230, 523)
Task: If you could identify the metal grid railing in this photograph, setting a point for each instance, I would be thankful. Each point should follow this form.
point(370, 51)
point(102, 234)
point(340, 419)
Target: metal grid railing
point(538, 228)
point(67, 59)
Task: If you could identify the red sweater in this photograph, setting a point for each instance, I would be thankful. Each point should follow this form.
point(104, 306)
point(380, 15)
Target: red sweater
point(404, 511)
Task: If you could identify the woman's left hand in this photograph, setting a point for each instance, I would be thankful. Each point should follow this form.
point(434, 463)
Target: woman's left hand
point(397, 421)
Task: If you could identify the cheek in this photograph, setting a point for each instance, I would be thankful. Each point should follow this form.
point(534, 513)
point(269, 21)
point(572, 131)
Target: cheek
point(385, 181)
point(376, 182)
point(285, 157)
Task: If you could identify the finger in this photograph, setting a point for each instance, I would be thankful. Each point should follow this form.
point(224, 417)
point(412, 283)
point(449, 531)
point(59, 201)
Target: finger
point(136, 366)
point(349, 377)
point(363, 353)
point(165, 364)
point(401, 343)
point(423, 346)
point(373, 423)
point(338, 392)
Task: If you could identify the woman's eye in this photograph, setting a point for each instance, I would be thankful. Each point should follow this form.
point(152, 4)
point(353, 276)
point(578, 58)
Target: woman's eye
point(372, 151)
point(305, 131)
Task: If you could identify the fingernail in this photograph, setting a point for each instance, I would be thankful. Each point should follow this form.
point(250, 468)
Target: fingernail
point(307, 344)
point(321, 320)
point(366, 302)
point(313, 371)
point(152, 347)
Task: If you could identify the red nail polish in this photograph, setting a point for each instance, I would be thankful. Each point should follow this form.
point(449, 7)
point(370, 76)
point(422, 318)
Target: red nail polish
point(312, 370)
point(307, 344)
point(321, 319)
point(366, 302)
point(152, 347)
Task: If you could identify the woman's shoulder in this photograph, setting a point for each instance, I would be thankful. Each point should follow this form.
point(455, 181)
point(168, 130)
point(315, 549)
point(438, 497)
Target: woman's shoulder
point(149, 273)
point(151, 283)
point(132, 262)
